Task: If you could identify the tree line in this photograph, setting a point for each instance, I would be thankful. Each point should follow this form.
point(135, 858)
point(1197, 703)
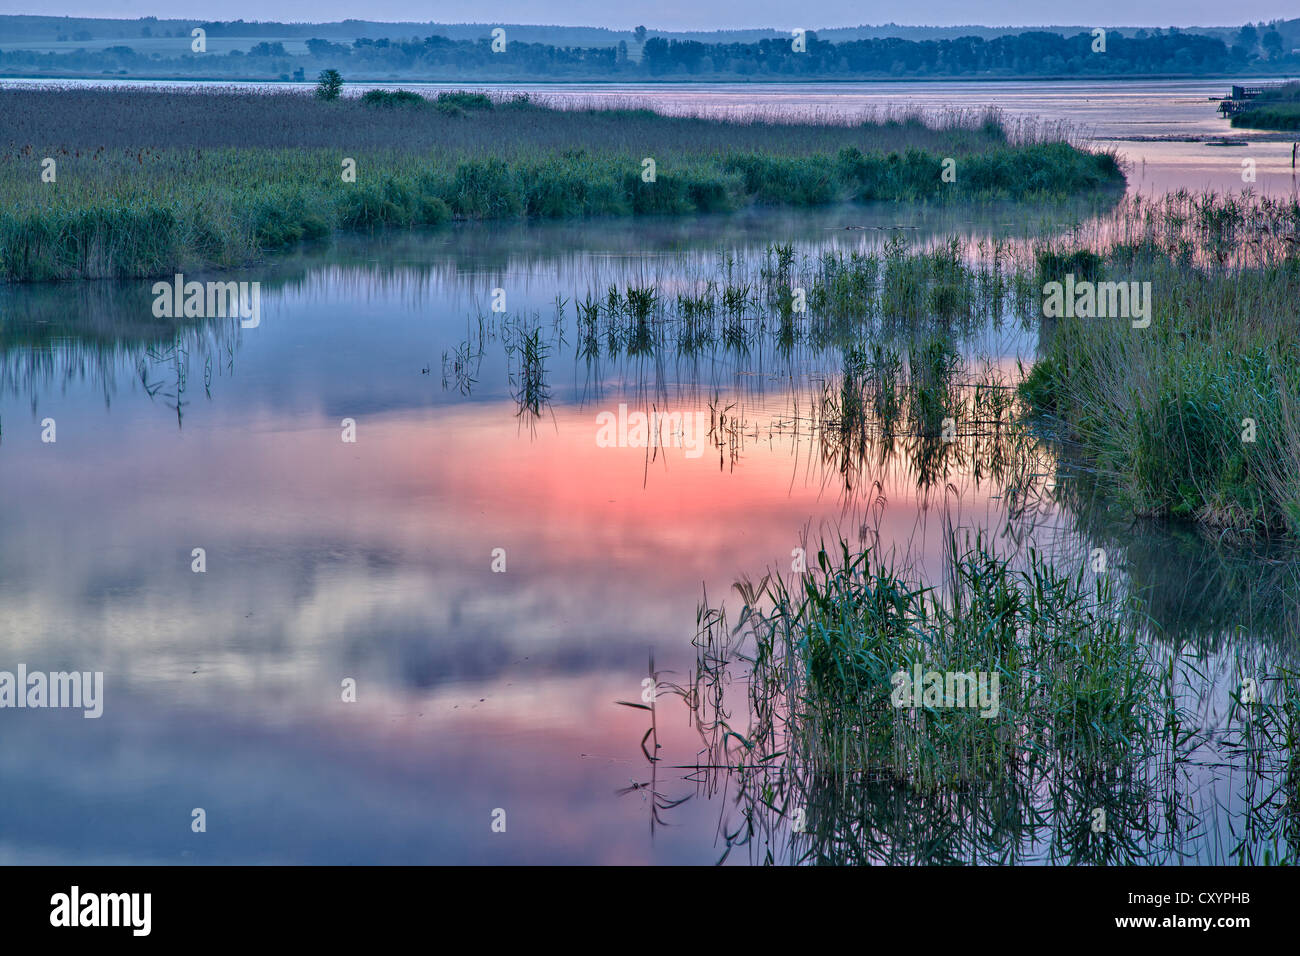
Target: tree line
point(1033, 53)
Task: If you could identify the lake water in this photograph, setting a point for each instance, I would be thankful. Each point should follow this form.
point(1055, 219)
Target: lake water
point(488, 576)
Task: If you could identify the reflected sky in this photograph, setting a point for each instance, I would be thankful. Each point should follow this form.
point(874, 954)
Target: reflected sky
point(372, 560)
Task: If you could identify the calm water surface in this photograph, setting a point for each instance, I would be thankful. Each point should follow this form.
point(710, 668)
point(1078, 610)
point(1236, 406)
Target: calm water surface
point(476, 690)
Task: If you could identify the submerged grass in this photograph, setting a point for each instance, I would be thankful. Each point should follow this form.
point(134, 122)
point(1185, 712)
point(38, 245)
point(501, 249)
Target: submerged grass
point(1073, 677)
point(1193, 417)
point(1092, 726)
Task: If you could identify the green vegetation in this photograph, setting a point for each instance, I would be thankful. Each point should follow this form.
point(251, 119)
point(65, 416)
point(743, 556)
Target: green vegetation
point(1073, 678)
point(531, 391)
point(1198, 415)
point(451, 103)
point(898, 298)
point(1194, 417)
point(1280, 116)
point(329, 85)
point(1277, 108)
point(131, 211)
point(392, 98)
point(827, 762)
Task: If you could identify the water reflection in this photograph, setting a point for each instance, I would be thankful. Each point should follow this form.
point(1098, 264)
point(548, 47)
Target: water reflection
point(373, 560)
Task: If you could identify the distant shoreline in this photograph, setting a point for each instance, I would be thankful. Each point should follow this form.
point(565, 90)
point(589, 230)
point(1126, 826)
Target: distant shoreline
point(462, 81)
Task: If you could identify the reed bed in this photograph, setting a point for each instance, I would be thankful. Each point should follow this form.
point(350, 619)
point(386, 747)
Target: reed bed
point(245, 173)
point(1277, 108)
point(1074, 677)
point(1196, 416)
point(1094, 723)
point(503, 124)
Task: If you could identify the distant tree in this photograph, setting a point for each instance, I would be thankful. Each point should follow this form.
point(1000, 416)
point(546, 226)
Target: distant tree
point(621, 56)
point(323, 48)
point(639, 35)
point(329, 85)
point(146, 32)
point(655, 55)
point(1272, 44)
point(1248, 37)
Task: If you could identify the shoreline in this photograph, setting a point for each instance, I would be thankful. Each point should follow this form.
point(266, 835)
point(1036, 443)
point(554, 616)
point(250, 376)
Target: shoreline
point(462, 81)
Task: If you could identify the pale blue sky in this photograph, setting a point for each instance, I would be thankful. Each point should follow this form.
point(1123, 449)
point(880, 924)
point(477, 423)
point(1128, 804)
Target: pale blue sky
point(690, 14)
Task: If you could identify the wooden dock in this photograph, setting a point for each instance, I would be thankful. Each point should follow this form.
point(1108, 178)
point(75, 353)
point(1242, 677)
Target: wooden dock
point(1238, 99)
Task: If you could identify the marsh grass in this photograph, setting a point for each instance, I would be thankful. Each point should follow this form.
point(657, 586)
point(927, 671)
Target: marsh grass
point(1092, 717)
point(242, 174)
point(527, 352)
point(899, 291)
point(1073, 675)
point(1157, 415)
point(500, 124)
point(1194, 417)
point(1277, 108)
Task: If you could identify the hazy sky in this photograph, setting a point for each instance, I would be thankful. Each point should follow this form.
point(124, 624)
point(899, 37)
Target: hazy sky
point(691, 14)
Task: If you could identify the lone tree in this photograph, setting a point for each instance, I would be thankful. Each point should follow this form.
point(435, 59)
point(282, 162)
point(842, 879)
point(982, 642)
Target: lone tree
point(639, 35)
point(329, 84)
